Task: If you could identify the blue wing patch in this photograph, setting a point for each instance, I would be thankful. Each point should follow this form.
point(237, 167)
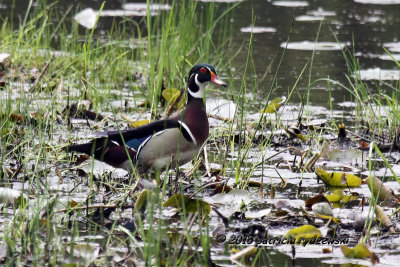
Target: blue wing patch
point(135, 143)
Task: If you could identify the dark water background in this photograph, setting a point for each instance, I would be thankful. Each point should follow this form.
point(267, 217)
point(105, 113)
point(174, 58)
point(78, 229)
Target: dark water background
point(368, 26)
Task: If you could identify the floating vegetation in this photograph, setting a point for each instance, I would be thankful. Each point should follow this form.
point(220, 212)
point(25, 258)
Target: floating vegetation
point(290, 3)
point(309, 18)
point(88, 17)
point(257, 29)
point(378, 2)
point(319, 46)
point(378, 74)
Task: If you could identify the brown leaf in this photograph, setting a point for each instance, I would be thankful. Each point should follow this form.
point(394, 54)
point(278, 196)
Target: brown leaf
point(314, 200)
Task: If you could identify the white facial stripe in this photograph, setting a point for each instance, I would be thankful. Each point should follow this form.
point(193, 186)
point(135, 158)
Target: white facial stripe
point(184, 125)
point(202, 86)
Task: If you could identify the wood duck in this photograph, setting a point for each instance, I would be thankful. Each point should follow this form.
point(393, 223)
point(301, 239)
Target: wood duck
point(155, 145)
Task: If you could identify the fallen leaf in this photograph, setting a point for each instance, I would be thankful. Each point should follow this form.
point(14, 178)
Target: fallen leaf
point(377, 187)
point(139, 123)
point(322, 208)
point(384, 219)
point(302, 233)
point(336, 196)
point(244, 254)
point(274, 105)
point(171, 95)
point(143, 200)
point(339, 179)
point(359, 251)
point(314, 200)
point(184, 203)
point(294, 132)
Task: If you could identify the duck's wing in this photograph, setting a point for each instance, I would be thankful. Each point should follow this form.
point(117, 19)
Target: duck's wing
point(133, 138)
point(113, 141)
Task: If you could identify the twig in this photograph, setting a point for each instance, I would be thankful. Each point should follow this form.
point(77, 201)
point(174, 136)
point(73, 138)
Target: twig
point(206, 161)
point(359, 136)
point(41, 74)
point(219, 118)
point(205, 186)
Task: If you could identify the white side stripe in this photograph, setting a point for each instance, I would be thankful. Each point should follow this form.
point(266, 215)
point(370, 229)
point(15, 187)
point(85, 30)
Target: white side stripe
point(189, 132)
point(145, 142)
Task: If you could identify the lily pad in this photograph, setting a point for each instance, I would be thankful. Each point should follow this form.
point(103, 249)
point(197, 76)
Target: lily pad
point(171, 95)
point(182, 202)
point(258, 29)
point(359, 251)
point(339, 179)
point(274, 105)
point(302, 233)
point(379, 74)
point(320, 46)
point(232, 201)
point(290, 3)
point(322, 208)
point(336, 196)
point(378, 2)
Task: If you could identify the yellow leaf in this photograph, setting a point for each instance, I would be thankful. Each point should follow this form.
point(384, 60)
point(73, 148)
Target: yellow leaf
point(339, 179)
point(301, 137)
point(359, 251)
point(336, 196)
point(327, 217)
point(183, 202)
point(142, 200)
point(73, 204)
point(139, 123)
point(274, 105)
point(348, 198)
point(302, 233)
point(171, 95)
point(294, 132)
point(244, 254)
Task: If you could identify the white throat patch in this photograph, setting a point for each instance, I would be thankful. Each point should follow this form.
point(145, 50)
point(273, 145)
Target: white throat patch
point(202, 87)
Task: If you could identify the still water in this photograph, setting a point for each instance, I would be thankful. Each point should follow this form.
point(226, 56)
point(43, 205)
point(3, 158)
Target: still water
point(365, 27)
point(369, 27)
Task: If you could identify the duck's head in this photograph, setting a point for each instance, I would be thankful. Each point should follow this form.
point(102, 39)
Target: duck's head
point(199, 77)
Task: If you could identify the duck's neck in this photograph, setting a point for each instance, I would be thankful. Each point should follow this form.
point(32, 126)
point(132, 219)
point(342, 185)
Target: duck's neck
point(195, 116)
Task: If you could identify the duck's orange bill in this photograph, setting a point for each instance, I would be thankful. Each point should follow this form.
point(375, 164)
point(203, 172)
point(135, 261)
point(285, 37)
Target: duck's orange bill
point(216, 80)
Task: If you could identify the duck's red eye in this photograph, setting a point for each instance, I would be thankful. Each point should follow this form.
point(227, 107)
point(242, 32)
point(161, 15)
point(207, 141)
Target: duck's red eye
point(203, 70)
